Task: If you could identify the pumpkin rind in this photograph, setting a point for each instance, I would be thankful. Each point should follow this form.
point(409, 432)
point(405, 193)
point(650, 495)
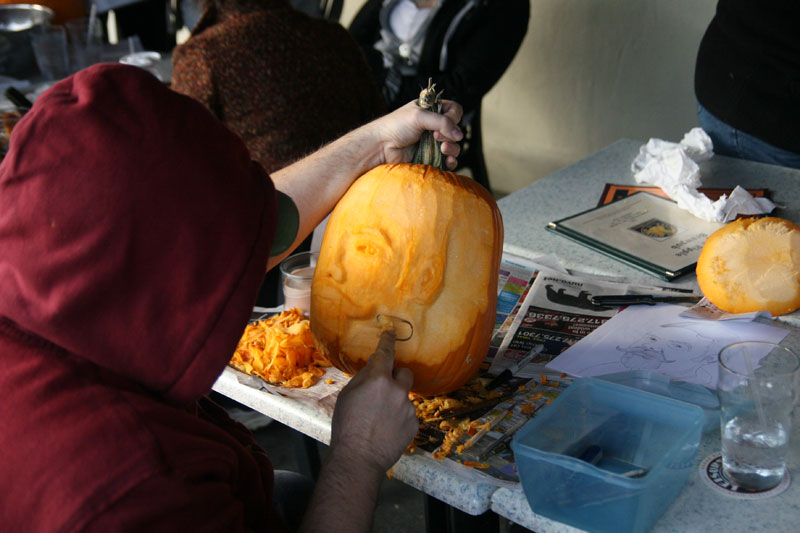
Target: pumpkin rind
point(420, 244)
point(752, 265)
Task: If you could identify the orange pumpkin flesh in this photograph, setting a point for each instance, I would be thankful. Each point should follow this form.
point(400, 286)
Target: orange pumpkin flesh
point(752, 265)
point(420, 244)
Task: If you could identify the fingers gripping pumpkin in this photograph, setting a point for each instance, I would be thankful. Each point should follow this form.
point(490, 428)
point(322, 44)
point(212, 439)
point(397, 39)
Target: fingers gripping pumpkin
point(420, 244)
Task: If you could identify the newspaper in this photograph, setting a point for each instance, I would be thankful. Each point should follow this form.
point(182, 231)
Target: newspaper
point(556, 312)
point(488, 450)
point(516, 275)
point(515, 278)
point(322, 395)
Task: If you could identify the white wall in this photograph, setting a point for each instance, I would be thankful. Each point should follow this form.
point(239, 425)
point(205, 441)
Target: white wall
point(588, 73)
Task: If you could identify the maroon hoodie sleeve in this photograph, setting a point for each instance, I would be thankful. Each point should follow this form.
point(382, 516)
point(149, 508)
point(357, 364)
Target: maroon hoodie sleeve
point(171, 504)
point(192, 502)
point(134, 235)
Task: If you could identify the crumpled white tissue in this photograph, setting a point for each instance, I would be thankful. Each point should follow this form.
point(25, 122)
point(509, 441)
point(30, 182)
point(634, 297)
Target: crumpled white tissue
point(674, 168)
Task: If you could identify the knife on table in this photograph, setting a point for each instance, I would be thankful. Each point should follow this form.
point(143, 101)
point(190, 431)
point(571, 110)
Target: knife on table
point(497, 445)
point(508, 373)
point(642, 299)
point(19, 100)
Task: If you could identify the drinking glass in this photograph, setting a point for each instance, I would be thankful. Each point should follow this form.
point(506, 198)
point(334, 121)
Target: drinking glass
point(297, 273)
point(50, 49)
point(86, 41)
point(757, 389)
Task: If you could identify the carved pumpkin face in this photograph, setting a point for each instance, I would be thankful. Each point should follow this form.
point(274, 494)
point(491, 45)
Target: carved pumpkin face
point(419, 244)
point(752, 265)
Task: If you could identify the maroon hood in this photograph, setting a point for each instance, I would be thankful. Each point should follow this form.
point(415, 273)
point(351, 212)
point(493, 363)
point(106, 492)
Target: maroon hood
point(134, 230)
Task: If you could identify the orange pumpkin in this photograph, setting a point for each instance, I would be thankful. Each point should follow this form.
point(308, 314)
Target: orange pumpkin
point(752, 264)
point(416, 243)
point(422, 245)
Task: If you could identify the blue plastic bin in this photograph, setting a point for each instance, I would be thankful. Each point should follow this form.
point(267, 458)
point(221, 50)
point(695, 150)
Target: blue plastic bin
point(648, 445)
point(663, 385)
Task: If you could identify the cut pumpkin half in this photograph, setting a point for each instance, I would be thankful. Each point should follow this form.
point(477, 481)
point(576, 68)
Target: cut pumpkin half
point(752, 264)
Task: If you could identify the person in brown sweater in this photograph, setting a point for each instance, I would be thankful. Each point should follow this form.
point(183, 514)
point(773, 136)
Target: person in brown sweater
point(284, 82)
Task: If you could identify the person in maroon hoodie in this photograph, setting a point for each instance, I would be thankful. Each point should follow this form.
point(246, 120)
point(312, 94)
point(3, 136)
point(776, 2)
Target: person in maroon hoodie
point(134, 233)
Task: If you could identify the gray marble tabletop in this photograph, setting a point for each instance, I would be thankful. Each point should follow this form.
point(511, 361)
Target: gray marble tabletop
point(454, 484)
point(578, 187)
point(699, 507)
point(526, 213)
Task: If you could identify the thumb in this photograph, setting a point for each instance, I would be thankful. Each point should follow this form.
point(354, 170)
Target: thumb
point(443, 124)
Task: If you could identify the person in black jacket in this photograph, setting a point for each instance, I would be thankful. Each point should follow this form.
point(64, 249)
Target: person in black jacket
point(747, 81)
point(465, 46)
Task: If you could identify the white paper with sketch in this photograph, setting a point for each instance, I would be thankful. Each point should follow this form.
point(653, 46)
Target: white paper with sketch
point(658, 339)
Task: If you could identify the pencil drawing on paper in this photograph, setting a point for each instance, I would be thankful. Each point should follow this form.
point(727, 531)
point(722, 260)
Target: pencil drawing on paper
point(660, 339)
point(677, 349)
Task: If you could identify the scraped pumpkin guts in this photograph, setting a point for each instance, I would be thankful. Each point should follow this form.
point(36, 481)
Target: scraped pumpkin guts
point(281, 351)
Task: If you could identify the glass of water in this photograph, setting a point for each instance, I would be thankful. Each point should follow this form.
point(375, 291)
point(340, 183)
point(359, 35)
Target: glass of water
point(757, 389)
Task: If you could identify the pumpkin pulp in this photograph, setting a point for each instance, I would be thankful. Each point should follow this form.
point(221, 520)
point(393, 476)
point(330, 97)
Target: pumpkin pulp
point(752, 265)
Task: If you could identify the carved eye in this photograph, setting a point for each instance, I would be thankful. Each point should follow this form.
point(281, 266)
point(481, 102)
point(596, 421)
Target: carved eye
point(367, 252)
point(367, 249)
point(372, 243)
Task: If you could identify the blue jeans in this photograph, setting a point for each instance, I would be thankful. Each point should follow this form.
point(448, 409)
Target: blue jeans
point(736, 143)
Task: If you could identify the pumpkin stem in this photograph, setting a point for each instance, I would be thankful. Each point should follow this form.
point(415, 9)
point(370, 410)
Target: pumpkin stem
point(428, 150)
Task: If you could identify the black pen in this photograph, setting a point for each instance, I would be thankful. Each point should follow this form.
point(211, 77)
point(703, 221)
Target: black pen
point(19, 100)
point(641, 299)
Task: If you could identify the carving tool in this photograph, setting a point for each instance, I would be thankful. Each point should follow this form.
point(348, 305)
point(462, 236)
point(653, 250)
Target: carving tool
point(508, 373)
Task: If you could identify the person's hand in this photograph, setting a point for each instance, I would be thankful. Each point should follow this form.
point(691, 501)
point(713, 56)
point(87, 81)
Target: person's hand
point(374, 421)
point(400, 130)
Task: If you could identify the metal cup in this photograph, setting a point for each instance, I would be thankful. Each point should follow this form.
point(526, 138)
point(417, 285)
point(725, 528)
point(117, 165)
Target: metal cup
point(17, 23)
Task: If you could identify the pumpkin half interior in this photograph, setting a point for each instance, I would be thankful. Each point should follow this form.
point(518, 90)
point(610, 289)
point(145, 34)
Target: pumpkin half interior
point(752, 264)
point(420, 244)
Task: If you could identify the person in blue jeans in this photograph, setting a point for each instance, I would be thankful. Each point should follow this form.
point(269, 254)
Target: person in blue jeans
point(747, 81)
point(734, 142)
